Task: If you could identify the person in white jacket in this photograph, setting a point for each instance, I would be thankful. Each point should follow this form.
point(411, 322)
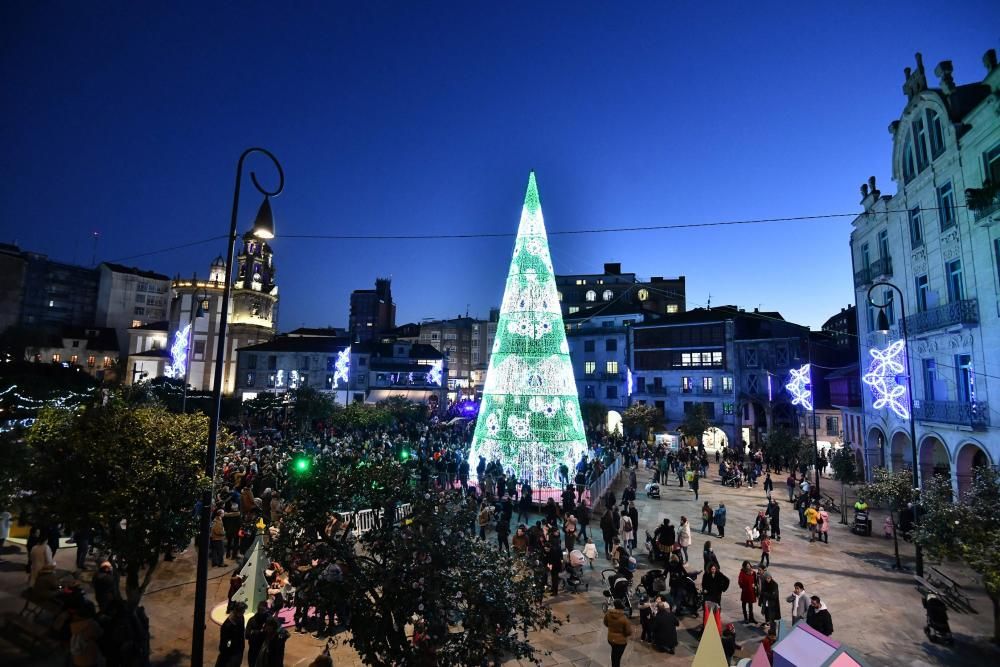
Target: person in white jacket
point(684, 536)
point(41, 560)
point(800, 602)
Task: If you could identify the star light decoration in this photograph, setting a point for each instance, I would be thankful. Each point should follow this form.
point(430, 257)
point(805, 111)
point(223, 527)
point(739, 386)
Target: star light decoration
point(342, 367)
point(883, 378)
point(530, 413)
point(799, 386)
point(178, 354)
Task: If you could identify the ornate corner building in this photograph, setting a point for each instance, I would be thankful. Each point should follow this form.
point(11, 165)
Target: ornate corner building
point(938, 240)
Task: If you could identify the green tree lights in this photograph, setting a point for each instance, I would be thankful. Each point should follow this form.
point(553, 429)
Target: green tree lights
point(530, 417)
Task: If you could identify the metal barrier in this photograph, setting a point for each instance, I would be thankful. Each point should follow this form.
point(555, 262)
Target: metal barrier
point(600, 485)
point(364, 520)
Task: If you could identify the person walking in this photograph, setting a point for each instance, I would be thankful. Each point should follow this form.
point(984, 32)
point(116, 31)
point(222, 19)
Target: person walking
point(684, 536)
point(770, 600)
point(633, 514)
point(217, 541)
point(720, 519)
point(768, 485)
point(774, 514)
point(503, 531)
point(231, 638)
point(583, 518)
point(812, 520)
point(619, 630)
point(800, 602)
point(694, 484)
point(818, 616)
point(709, 556)
point(765, 551)
point(823, 524)
point(747, 582)
point(706, 518)
point(714, 584)
point(790, 482)
point(607, 531)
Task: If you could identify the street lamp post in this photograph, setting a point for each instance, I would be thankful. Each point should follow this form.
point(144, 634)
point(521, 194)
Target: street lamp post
point(882, 325)
point(263, 228)
point(195, 314)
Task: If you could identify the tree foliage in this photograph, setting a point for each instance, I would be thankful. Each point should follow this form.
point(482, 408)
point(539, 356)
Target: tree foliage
point(642, 418)
point(130, 473)
point(474, 603)
point(13, 453)
point(595, 415)
point(967, 530)
point(311, 406)
point(694, 425)
point(785, 445)
point(845, 465)
point(403, 411)
point(892, 489)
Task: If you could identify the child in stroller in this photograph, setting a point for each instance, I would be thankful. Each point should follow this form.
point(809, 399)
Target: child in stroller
point(937, 629)
point(574, 571)
point(653, 488)
point(618, 584)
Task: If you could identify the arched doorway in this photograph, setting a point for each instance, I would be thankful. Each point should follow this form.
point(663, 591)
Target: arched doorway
point(714, 439)
point(785, 417)
point(614, 424)
point(970, 456)
point(900, 452)
point(875, 448)
point(859, 462)
point(933, 459)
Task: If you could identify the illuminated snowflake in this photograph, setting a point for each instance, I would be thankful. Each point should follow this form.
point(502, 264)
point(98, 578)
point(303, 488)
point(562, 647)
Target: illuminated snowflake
point(519, 426)
point(798, 387)
point(178, 354)
point(492, 425)
point(434, 375)
point(883, 377)
point(342, 367)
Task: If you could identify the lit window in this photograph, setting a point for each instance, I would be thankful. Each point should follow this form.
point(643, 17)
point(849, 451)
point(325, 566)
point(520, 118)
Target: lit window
point(686, 385)
point(727, 384)
point(706, 383)
point(608, 295)
point(580, 281)
point(56, 358)
point(574, 309)
point(612, 367)
point(107, 362)
point(560, 298)
point(643, 294)
point(91, 360)
point(73, 359)
point(52, 304)
point(591, 295)
point(671, 308)
point(589, 367)
point(716, 358)
point(136, 323)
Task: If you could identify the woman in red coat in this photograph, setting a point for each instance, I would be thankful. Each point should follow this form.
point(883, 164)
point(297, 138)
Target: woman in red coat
point(748, 591)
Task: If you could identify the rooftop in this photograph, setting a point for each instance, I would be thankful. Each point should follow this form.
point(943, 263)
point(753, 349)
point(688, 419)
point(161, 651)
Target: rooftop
point(321, 344)
point(120, 268)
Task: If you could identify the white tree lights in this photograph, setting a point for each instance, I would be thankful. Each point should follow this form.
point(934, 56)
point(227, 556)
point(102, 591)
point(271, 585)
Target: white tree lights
point(799, 387)
point(530, 418)
point(883, 378)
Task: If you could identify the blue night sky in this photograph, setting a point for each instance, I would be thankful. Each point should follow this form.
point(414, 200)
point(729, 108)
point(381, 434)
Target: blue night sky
point(402, 118)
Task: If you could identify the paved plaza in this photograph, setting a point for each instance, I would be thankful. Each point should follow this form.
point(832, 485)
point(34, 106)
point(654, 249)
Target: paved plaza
point(875, 609)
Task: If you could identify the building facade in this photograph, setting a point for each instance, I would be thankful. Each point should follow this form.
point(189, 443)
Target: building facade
point(56, 295)
point(466, 342)
point(128, 297)
point(658, 295)
point(148, 354)
point(938, 241)
point(373, 312)
point(94, 350)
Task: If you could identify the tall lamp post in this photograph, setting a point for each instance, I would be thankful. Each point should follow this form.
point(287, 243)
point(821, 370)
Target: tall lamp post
point(882, 325)
point(196, 313)
point(263, 228)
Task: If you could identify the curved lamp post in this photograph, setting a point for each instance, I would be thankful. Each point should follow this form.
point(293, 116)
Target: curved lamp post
point(882, 325)
point(263, 228)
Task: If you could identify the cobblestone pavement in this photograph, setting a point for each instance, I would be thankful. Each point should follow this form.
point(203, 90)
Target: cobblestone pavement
point(875, 609)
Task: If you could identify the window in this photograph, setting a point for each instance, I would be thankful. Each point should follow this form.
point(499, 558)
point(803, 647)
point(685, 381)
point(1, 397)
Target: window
point(883, 244)
point(658, 382)
point(946, 205)
point(589, 367)
point(930, 379)
point(641, 384)
point(435, 335)
point(199, 349)
point(607, 324)
point(612, 391)
point(708, 409)
point(751, 357)
point(921, 284)
point(107, 362)
point(909, 165)
point(588, 346)
point(611, 367)
point(752, 387)
point(916, 228)
point(272, 362)
point(56, 358)
point(136, 323)
point(672, 308)
point(727, 384)
point(953, 269)
point(271, 379)
point(574, 309)
point(832, 425)
point(138, 310)
point(140, 298)
point(588, 391)
point(73, 359)
point(250, 378)
point(451, 335)
point(991, 165)
point(866, 256)
point(91, 361)
point(581, 281)
point(728, 408)
point(706, 384)
point(781, 355)
point(934, 133)
point(611, 345)
point(607, 296)
point(920, 143)
point(591, 295)
point(643, 294)
point(964, 389)
point(559, 294)
point(686, 385)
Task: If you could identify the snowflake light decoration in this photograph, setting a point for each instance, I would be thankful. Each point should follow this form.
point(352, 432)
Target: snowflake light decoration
point(434, 375)
point(883, 378)
point(799, 387)
point(178, 354)
point(342, 367)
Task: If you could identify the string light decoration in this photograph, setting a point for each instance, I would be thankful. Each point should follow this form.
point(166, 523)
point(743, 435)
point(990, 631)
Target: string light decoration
point(529, 418)
point(799, 387)
point(178, 354)
point(342, 367)
point(434, 375)
point(882, 378)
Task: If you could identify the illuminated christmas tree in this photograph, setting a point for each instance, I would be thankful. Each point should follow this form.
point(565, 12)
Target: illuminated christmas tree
point(530, 418)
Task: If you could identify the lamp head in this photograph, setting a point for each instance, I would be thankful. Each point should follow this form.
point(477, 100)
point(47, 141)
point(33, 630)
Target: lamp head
point(263, 225)
point(882, 322)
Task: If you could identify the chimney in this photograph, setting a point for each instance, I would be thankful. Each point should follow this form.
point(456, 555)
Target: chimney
point(990, 60)
point(612, 268)
point(944, 73)
point(656, 279)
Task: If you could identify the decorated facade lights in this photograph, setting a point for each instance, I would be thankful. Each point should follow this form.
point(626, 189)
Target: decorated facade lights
point(799, 387)
point(884, 370)
point(434, 375)
point(178, 354)
point(342, 367)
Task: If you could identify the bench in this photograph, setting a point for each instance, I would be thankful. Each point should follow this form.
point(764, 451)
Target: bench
point(831, 504)
point(951, 588)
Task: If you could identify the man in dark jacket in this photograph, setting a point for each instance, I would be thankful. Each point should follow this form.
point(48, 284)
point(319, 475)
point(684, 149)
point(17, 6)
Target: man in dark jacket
point(255, 633)
point(231, 638)
point(607, 531)
point(665, 628)
point(773, 513)
point(583, 518)
point(714, 584)
point(818, 617)
point(104, 586)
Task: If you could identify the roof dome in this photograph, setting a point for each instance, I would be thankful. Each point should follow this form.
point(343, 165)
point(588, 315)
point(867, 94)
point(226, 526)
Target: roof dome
point(218, 261)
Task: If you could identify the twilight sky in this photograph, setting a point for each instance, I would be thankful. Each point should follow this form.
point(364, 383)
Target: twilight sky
point(425, 117)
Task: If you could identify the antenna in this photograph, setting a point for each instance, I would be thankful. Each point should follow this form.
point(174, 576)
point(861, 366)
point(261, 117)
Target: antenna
point(93, 257)
point(709, 299)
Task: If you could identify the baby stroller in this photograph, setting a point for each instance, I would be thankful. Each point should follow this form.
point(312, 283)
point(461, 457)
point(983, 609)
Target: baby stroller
point(653, 490)
point(617, 589)
point(574, 571)
point(733, 478)
point(688, 599)
point(653, 583)
point(937, 629)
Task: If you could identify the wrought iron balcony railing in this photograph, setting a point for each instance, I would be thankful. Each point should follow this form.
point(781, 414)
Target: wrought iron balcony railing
point(975, 415)
point(985, 201)
point(957, 312)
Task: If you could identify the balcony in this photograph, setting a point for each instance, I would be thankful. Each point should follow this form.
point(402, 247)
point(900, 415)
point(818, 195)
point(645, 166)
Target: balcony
point(880, 268)
point(974, 415)
point(950, 314)
point(652, 390)
point(984, 202)
point(603, 376)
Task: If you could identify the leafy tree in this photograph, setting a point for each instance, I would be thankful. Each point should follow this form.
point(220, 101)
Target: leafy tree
point(362, 416)
point(404, 411)
point(968, 530)
point(694, 425)
point(132, 473)
point(14, 454)
point(310, 407)
point(845, 471)
point(893, 490)
point(595, 415)
point(784, 445)
point(263, 407)
point(474, 603)
point(642, 419)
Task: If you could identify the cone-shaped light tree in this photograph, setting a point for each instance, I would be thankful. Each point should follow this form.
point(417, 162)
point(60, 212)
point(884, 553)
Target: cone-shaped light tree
point(530, 418)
